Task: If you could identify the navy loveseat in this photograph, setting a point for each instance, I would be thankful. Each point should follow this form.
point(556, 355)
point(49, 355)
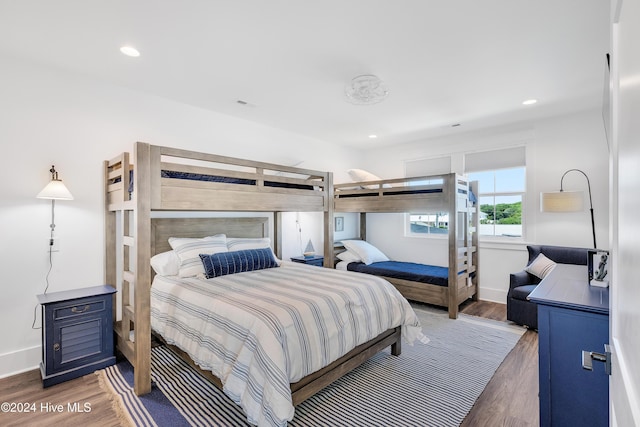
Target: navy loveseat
point(519, 309)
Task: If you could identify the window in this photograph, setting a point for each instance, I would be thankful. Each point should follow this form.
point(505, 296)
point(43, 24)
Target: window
point(501, 192)
point(501, 187)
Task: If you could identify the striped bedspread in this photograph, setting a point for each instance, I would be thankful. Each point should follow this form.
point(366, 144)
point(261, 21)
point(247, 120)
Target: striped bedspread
point(259, 331)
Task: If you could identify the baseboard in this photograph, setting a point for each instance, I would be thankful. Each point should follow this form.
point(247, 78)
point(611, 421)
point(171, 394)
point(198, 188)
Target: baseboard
point(20, 361)
point(493, 295)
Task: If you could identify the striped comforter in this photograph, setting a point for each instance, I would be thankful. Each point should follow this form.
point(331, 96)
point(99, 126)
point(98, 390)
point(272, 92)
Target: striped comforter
point(259, 331)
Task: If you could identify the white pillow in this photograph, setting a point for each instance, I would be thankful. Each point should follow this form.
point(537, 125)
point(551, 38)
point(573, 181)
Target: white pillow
point(540, 267)
point(348, 256)
point(242, 243)
point(188, 251)
point(365, 251)
point(166, 263)
point(359, 175)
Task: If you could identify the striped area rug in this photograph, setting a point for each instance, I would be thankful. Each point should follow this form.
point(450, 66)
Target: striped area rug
point(432, 384)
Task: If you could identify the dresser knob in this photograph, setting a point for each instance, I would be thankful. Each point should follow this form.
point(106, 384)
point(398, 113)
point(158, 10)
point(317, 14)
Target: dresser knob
point(56, 347)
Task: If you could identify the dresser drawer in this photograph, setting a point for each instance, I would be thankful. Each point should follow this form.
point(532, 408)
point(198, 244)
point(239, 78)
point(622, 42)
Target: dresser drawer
point(78, 308)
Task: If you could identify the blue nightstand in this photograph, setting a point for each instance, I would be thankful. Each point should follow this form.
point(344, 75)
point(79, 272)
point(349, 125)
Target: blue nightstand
point(77, 333)
point(316, 260)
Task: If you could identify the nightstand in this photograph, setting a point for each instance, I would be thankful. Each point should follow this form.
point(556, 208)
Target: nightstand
point(77, 333)
point(316, 260)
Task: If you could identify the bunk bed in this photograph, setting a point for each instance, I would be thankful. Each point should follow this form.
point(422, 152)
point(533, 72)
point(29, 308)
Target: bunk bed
point(169, 179)
point(450, 193)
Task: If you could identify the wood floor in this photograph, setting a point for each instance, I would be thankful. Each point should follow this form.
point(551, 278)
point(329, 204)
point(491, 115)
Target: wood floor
point(510, 398)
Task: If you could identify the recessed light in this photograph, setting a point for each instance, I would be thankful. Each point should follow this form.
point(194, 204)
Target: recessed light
point(373, 136)
point(130, 51)
point(529, 102)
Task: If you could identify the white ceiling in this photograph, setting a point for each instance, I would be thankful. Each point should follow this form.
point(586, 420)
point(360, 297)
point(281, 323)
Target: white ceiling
point(459, 61)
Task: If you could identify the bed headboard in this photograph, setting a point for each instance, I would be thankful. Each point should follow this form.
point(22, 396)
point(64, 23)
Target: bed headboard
point(163, 228)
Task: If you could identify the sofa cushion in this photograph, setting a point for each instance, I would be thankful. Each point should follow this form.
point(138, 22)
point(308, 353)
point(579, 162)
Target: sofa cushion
point(522, 292)
point(540, 267)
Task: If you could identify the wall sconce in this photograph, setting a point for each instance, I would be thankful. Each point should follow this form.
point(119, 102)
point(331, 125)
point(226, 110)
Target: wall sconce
point(568, 201)
point(55, 190)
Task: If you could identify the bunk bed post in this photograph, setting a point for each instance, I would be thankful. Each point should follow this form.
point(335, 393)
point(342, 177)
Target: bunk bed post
point(475, 212)
point(363, 225)
point(328, 221)
point(142, 285)
point(277, 233)
point(110, 257)
point(452, 193)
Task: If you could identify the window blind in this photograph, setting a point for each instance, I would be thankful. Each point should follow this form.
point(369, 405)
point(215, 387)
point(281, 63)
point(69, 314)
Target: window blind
point(494, 159)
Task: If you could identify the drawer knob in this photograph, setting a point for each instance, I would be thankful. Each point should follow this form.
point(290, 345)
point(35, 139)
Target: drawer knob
point(80, 310)
point(56, 347)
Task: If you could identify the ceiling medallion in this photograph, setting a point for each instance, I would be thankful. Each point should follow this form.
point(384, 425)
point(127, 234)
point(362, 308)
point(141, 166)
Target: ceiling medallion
point(366, 90)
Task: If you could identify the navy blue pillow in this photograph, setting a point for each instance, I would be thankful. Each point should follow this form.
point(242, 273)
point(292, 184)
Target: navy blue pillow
point(224, 263)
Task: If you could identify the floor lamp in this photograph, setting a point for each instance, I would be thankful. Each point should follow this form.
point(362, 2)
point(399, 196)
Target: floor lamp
point(568, 201)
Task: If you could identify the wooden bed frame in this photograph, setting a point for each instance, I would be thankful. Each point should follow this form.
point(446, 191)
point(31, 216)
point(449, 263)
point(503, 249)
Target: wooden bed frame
point(450, 193)
point(132, 236)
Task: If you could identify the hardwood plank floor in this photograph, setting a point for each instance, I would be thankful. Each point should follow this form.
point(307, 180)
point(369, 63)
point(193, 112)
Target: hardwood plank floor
point(510, 398)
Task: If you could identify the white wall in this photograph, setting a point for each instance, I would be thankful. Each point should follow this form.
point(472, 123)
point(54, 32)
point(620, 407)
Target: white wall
point(53, 117)
point(553, 146)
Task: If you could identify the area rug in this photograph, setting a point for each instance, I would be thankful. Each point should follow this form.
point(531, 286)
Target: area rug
point(432, 384)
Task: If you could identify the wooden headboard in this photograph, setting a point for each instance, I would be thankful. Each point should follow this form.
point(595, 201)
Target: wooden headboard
point(163, 228)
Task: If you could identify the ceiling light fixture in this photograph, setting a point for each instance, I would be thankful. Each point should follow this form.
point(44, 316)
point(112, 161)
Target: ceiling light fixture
point(366, 90)
point(529, 102)
point(373, 136)
point(130, 51)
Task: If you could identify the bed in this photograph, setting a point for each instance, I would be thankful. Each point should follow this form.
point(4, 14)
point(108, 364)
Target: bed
point(132, 237)
point(442, 286)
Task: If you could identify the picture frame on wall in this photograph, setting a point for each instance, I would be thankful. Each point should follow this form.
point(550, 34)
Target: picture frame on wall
point(339, 223)
point(598, 268)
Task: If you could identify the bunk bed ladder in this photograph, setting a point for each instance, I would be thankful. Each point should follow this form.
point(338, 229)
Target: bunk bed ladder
point(126, 227)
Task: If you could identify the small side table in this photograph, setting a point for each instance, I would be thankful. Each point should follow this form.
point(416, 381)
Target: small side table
point(316, 260)
point(77, 333)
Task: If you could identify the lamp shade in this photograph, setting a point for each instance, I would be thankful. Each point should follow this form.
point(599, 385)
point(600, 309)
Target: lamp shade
point(562, 201)
point(55, 190)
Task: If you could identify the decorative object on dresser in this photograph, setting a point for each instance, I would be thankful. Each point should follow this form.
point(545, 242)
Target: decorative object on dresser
point(573, 333)
point(542, 260)
point(597, 265)
point(316, 260)
point(77, 333)
point(568, 201)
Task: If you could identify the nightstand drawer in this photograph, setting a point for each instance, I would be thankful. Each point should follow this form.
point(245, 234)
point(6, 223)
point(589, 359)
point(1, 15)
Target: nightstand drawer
point(80, 308)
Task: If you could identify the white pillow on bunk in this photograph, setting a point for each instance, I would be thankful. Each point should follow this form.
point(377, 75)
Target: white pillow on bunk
point(189, 250)
point(244, 243)
point(359, 175)
point(166, 263)
point(348, 256)
point(366, 251)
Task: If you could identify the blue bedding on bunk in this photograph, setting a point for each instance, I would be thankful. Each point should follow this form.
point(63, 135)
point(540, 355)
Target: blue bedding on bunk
point(472, 196)
point(404, 270)
point(215, 178)
point(227, 180)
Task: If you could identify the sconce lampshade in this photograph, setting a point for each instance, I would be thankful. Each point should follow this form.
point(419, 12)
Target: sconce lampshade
point(562, 201)
point(55, 190)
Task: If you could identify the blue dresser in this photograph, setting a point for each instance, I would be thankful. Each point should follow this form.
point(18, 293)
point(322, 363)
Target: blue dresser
point(572, 317)
point(77, 333)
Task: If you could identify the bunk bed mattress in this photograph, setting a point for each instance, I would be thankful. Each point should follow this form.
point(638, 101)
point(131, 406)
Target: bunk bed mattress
point(259, 331)
point(423, 273)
